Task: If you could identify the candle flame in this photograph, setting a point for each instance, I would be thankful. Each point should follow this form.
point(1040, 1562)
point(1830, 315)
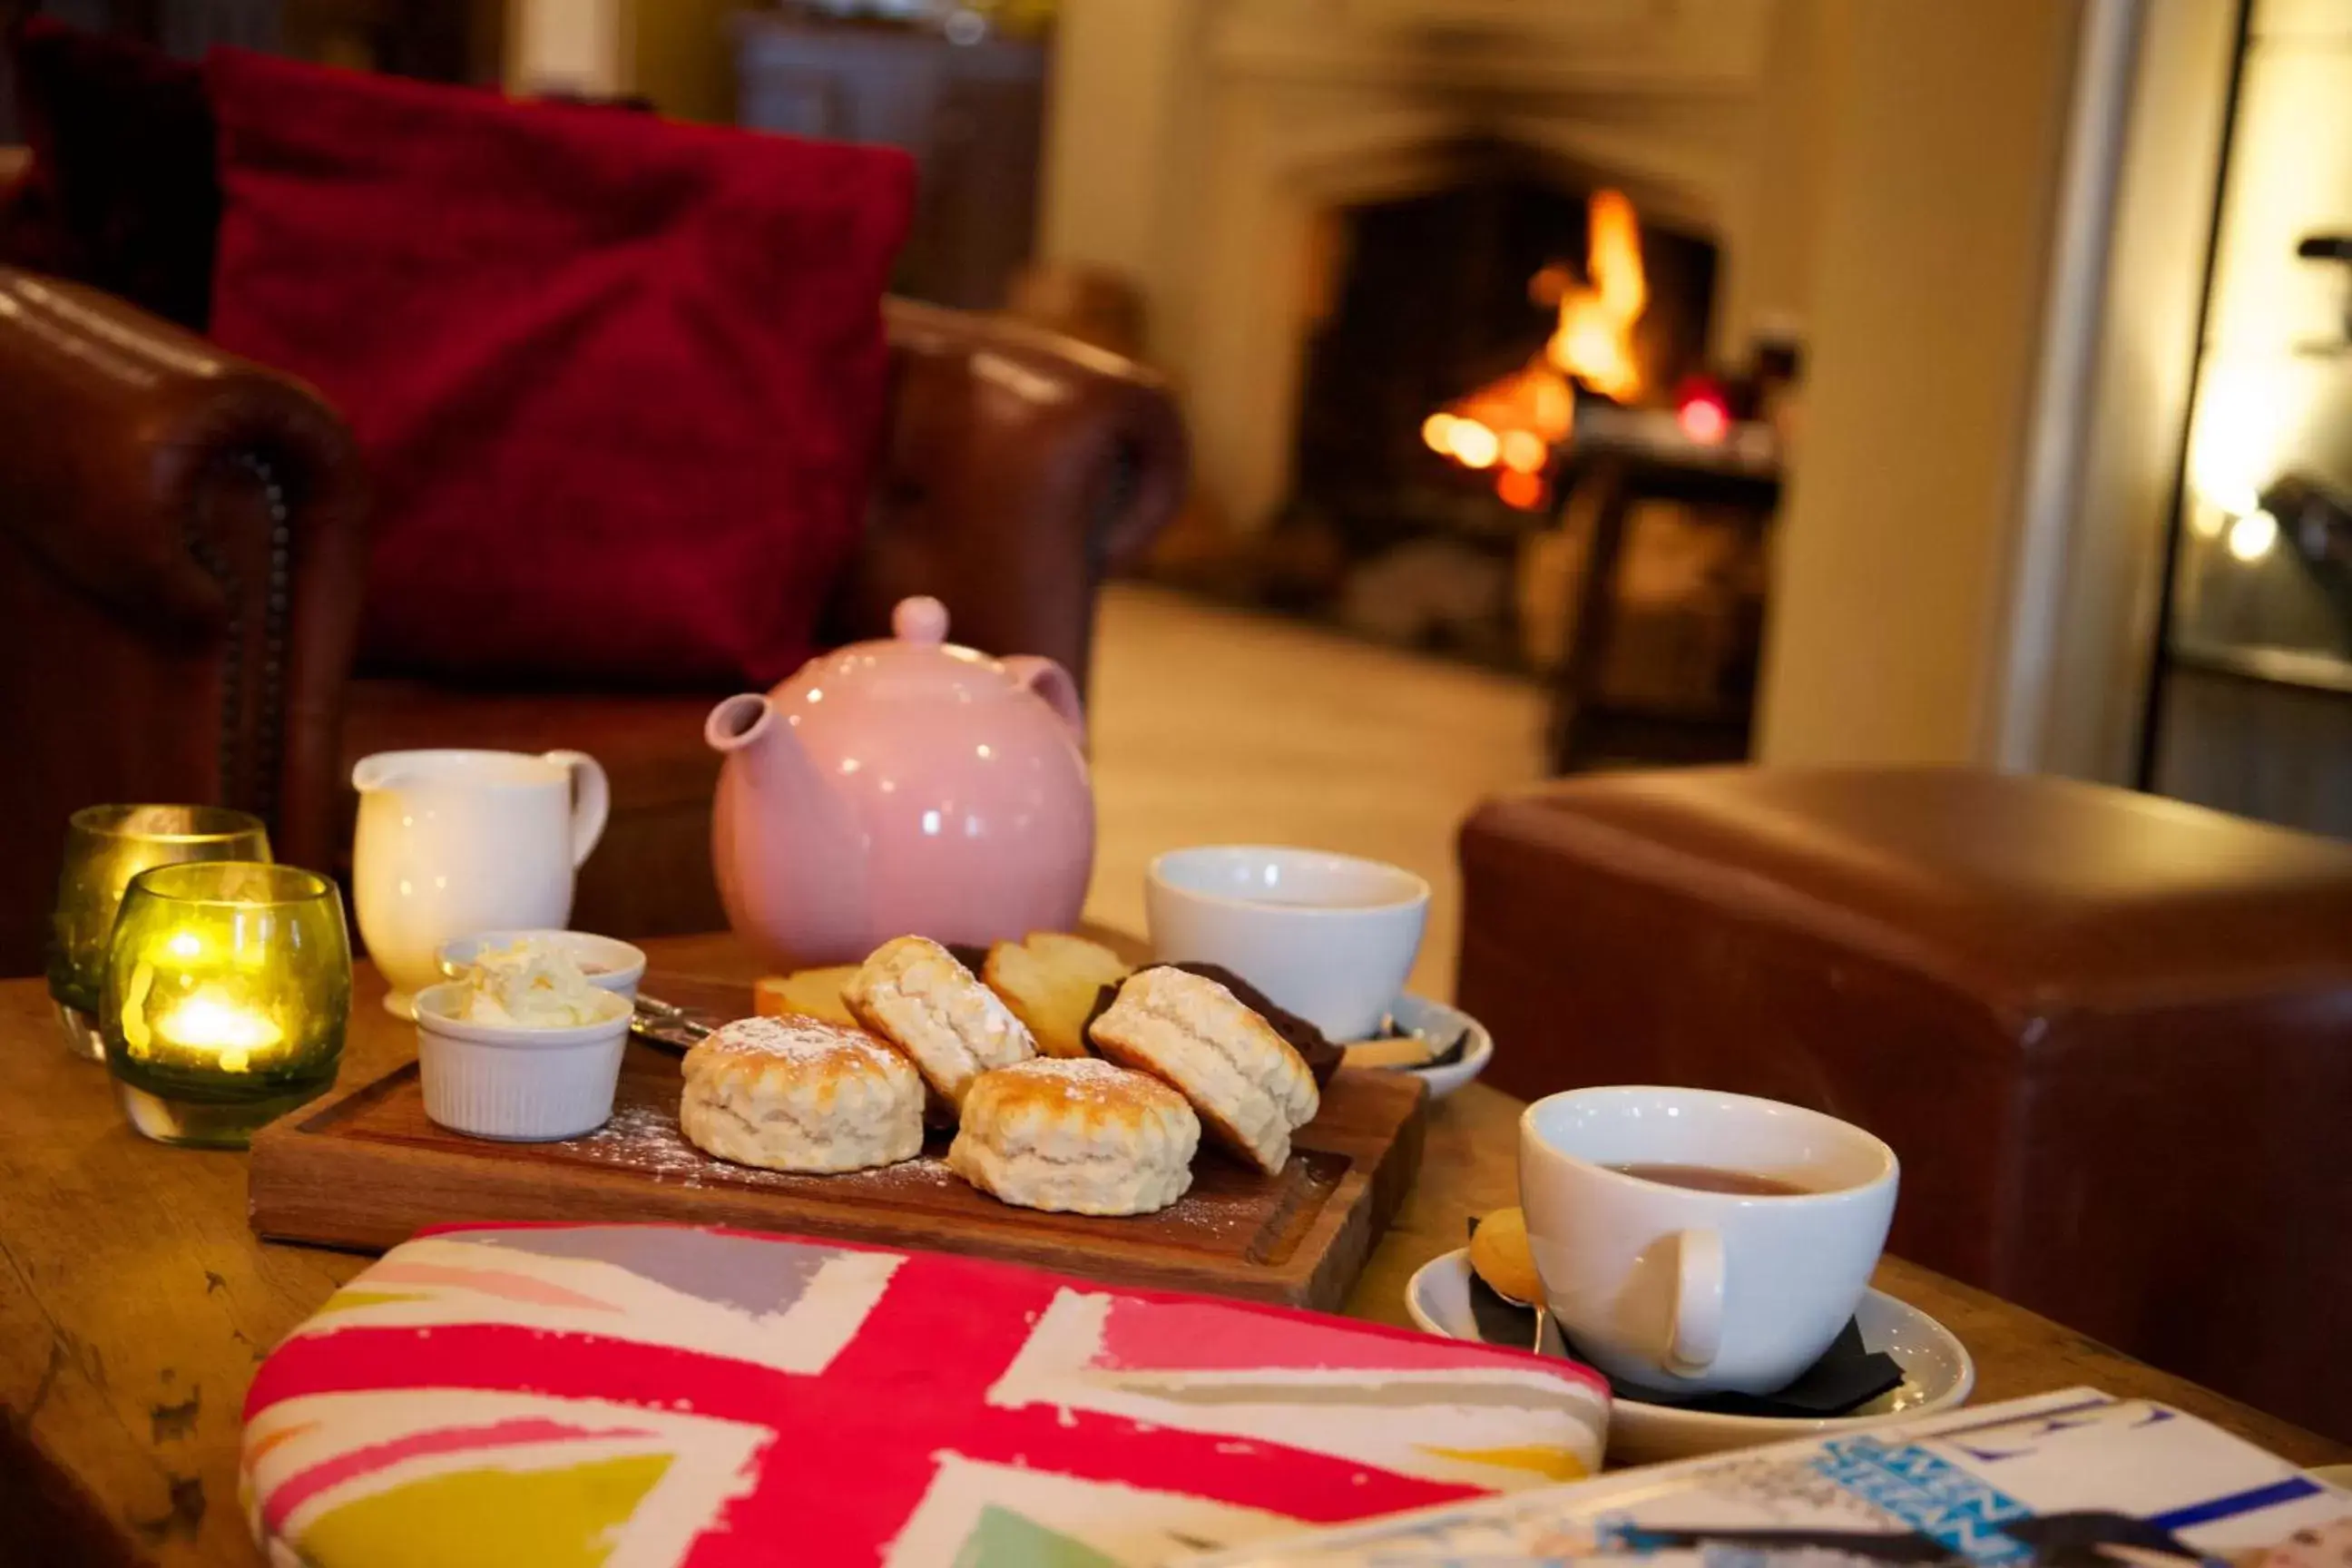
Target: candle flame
point(208, 1022)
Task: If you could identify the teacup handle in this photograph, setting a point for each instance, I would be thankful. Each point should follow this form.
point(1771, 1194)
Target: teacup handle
point(1696, 1335)
point(592, 801)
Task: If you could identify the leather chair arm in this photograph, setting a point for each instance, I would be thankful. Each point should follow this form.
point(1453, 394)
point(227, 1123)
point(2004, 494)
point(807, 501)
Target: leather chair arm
point(1020, 468)
point(188, 540)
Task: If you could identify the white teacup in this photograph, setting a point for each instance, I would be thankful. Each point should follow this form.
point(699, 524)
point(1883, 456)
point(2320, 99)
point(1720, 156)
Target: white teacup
point(451, 842)
point(1682, 1288)
point(1330, 937)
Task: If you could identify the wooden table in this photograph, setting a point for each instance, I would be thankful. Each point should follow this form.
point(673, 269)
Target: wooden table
point(134, 1301)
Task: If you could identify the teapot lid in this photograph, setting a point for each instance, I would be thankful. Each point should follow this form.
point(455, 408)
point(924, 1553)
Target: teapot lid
point(915, 660)
point(920, 619)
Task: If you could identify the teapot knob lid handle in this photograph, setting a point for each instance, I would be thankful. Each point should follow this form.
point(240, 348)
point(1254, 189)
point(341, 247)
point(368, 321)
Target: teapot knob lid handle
point(920, 619)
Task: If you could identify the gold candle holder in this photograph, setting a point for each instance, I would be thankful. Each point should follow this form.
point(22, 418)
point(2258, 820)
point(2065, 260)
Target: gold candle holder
point(227, 991)
point(105, 845)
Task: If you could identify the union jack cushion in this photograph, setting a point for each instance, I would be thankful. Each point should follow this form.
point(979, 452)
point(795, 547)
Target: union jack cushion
point(643, 1396)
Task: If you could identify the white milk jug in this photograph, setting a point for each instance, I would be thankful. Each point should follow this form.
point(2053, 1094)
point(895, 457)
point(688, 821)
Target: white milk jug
point(452, 843)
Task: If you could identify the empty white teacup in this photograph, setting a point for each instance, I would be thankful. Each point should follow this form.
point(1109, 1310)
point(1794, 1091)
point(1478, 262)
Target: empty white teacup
point(1330, 937)
point(1728, 1257)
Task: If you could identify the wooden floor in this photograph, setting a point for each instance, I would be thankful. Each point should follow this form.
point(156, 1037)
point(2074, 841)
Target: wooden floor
point(1214, 726)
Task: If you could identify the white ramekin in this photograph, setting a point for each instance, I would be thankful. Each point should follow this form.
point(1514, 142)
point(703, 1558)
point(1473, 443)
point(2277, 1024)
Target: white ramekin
point(619, 965)
point(503, 1080)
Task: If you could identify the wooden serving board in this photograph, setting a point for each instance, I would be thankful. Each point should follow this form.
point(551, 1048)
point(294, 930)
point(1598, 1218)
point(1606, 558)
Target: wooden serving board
point(367, 1168)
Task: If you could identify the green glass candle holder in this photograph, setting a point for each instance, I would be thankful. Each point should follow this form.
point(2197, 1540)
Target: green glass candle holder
point(105, 845)
point(228, 986)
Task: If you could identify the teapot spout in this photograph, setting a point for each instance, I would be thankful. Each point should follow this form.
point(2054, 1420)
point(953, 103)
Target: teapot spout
point(789, 851)
point(759, 743)
point(740, 722)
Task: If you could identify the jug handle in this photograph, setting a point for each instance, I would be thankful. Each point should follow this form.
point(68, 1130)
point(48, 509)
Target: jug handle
point(591, 800)
point(1051, 682)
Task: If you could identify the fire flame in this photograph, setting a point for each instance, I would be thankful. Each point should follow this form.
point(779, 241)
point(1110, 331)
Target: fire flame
point(1594, 340)
point(1516, 421)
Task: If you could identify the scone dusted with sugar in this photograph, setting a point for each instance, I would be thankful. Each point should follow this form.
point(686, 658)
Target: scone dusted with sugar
point(912, 993)
point(1252, 1089)
point(798, 1094)
point(1078, 1136)
point(1050, 980)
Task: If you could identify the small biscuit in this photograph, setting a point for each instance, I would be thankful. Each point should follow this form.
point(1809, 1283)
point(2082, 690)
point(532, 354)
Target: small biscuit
point(1078, 1136)
point(1050, 980)
point(1251, 1089)
point(912, 993)
point(1398, 1051)
point(797, 1094)
point(806, 993)
point(1498, 1253)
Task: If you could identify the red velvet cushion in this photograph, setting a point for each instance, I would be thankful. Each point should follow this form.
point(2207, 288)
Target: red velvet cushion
point(122, 192)
point(619, 382)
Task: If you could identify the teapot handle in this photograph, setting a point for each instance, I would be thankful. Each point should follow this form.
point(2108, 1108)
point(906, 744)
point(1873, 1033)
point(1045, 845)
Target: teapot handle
point(1051, 682)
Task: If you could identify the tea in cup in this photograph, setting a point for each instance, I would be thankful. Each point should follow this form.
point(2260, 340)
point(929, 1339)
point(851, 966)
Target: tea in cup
point(1691, 1241)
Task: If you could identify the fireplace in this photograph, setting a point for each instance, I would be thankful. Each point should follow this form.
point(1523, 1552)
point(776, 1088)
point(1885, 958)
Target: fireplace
point(1452, 336)
point(1262, 171)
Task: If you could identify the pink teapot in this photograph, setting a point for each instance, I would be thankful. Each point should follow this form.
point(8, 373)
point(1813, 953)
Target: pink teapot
point(902, 786)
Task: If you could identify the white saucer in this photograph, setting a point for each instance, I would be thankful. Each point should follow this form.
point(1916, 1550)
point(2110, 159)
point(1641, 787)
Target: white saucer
point(1437, 1020)
point(1936, 1375)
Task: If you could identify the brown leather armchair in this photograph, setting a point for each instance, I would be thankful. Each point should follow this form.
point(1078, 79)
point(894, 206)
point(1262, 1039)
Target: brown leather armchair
point(183, 555)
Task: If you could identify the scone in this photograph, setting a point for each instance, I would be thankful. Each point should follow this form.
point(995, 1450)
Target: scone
point(1078, 1136)
point(806, 993)
point(1251, 1089)
point(912, 993)
point(1050, 980)
point(797, 1094)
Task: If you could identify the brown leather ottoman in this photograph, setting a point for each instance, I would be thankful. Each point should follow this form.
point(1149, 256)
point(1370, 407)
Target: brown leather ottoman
point(2110, 1036)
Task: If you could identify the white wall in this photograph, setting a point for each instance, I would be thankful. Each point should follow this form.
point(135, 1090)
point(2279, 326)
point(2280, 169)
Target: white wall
point(1117, 66)
point(1768, 269)
point(2082, 646)
point(2013, 203)
point(577, 45)
point(1944, 126)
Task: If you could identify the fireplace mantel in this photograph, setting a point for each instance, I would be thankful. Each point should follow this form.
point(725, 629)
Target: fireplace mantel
point(1628, 47)
point(1197, 143)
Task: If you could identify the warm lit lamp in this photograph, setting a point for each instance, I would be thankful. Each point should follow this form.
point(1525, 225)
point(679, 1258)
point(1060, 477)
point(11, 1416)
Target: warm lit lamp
point(227, 990)
point(105, 845)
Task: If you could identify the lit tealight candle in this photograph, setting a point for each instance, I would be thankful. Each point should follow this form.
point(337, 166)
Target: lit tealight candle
point(228, 989)
point(207, 1025)
point(105, 848)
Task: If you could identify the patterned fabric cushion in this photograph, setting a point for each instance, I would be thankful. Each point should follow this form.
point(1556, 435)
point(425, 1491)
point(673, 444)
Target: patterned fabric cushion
point(642, 1395)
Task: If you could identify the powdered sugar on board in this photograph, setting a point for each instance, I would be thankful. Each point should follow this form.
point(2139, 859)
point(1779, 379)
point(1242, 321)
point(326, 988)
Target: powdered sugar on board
point(1226, 1201)
point(645, 1136)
